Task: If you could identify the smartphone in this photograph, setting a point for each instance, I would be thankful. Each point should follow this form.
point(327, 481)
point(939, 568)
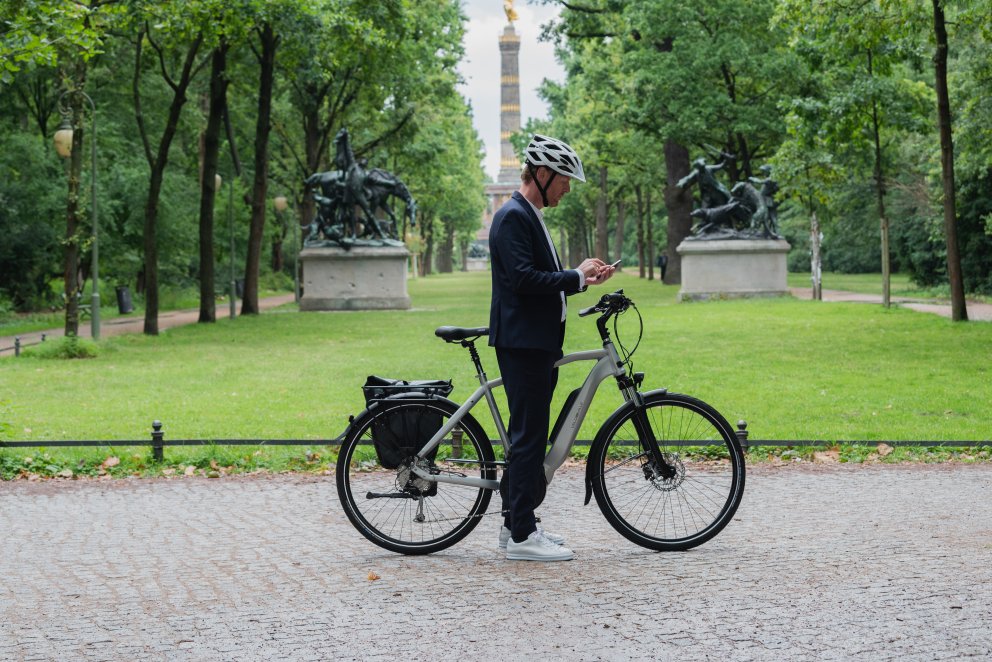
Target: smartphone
point(616, 264)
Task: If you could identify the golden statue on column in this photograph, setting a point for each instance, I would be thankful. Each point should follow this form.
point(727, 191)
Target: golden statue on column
point(511, 14)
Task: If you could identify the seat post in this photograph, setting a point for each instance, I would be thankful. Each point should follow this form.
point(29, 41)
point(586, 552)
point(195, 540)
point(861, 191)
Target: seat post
point(474, 353)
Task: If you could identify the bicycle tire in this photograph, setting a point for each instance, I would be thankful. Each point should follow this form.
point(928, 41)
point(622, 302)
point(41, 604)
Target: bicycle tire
point(449, 512)
point(668, 514)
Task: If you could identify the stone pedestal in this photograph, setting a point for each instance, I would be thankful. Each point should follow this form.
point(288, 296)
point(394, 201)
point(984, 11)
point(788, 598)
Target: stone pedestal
point(476, 264)
point(363, 278)
point(733, 268)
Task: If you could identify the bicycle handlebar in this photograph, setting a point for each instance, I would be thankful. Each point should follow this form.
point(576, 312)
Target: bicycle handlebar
point(609, 304)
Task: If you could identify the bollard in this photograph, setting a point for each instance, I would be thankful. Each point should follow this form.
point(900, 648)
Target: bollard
point(742, 434)
point(157, 437)
point(456, 443)
point(17, 346)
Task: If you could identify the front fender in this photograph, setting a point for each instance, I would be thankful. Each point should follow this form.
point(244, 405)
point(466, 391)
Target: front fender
point(602, 435)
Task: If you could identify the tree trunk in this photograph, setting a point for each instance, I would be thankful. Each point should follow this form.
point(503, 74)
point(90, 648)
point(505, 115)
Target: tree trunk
point(263, 126)
point(577, 244)
point(427, 258)
point(883, 220)
point(157, 162)
point(563, 248)
point(816, 264)
point(311, 145)
point(678, 203)
point(959, 311)
point(639, 197)
point(650, 240)
point(70, 263)
point(463, 249)
point(618, 234)
point(602, 222)
point(208, 192)
point(445, 263)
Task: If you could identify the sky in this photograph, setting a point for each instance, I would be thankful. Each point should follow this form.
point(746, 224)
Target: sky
point(480, 67)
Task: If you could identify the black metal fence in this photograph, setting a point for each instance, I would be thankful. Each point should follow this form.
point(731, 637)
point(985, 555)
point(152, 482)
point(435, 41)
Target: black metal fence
point(19, 345)
point(158, 442)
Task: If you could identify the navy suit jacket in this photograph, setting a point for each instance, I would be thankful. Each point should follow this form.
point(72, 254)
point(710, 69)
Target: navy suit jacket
point(527, 281)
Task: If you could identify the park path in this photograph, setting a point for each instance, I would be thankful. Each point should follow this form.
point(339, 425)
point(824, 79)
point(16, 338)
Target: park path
point(821, 562)
point(135, 323)
point(977, 312)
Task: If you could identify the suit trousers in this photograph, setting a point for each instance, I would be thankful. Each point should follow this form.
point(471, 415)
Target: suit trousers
point(529, 378)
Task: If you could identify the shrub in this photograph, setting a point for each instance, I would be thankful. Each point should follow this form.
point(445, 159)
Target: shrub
point(70, 347)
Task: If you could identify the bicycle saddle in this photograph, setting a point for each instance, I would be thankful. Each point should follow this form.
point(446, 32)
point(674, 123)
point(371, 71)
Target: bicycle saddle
point(453, 333)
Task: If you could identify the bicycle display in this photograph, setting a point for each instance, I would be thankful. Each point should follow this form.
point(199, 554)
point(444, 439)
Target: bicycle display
point(416, 471)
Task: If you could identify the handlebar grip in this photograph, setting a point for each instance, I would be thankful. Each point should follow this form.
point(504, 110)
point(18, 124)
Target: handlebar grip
point(585, 312)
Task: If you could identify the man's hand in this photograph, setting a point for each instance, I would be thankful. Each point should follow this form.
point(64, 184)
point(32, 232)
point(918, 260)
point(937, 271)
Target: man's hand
point(595, 270)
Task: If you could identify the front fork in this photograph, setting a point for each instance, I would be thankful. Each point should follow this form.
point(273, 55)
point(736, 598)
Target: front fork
point(658, 465)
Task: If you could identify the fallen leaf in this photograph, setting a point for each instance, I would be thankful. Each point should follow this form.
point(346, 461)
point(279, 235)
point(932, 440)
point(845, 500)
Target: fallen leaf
point(373, 576)
point(826, 457)
point(884, 449)
point(190, 470)
point(110, 462)
point(65, 473)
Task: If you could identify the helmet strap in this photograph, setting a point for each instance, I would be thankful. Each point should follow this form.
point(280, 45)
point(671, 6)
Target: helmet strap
point(543, 190)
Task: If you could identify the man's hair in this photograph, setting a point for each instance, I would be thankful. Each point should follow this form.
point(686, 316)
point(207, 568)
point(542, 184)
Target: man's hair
point(525, 173)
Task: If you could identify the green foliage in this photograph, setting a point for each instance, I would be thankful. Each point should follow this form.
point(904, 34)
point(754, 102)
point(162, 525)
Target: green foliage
point(68, 347)
point(30, 207)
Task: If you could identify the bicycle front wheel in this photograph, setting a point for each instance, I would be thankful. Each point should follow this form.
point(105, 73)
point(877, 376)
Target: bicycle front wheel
point(695, 495)
point(393, 507)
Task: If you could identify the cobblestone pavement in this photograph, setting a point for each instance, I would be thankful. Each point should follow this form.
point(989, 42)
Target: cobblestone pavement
point(833, 563)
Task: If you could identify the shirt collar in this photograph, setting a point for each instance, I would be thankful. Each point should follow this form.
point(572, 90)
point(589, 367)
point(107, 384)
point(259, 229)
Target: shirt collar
point(540, 214)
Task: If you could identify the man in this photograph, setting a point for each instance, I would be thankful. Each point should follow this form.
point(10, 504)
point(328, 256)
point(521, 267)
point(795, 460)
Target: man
point(527, 328)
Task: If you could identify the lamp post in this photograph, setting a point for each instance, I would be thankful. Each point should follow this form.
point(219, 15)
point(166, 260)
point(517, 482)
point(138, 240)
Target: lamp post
point(63, 146)
point(230, 228)
point(281, 205)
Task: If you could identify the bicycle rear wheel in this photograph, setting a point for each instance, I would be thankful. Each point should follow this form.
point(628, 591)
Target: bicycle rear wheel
point(394, 508)
point(704, 486)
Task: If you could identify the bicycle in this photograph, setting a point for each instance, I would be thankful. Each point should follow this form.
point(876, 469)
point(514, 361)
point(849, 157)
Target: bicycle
point(667, 470)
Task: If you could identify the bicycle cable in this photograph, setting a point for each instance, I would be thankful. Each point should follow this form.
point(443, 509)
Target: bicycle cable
point(628, 357)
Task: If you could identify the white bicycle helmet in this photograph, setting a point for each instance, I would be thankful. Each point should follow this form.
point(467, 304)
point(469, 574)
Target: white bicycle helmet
point(554, 154)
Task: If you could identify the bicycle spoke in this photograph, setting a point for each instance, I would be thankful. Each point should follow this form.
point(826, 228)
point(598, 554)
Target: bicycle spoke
point(411, 514)
point(684, 502)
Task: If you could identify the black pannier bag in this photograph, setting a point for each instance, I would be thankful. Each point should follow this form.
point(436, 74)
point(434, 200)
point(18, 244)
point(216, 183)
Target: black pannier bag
point(401, 434)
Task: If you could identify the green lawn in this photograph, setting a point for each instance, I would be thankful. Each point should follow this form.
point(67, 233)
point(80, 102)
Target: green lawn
point(793, 369)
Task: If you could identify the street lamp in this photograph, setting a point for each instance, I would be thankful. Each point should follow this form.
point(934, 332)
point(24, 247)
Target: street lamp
point(282, 205)
point(63, 145)
point(230, 228)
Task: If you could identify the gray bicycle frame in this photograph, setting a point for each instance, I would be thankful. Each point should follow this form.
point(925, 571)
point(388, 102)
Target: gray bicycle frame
point(607, 365)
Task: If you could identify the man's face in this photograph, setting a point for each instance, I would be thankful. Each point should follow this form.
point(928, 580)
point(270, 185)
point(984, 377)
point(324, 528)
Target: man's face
point(558, 188)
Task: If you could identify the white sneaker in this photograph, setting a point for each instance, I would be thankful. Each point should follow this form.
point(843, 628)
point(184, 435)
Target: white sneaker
point(504, 536)
point(537, 547)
